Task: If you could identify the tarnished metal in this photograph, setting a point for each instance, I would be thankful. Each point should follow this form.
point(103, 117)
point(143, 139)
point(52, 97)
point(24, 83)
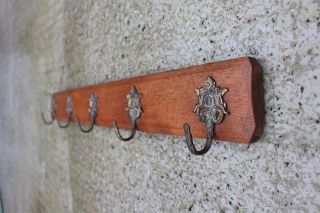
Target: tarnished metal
point(53, 110)
point(134, 110)
point(210, 110)
point(93, 109)
point(69, 109)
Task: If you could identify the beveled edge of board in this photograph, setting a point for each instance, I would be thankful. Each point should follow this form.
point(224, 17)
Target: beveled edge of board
point(257, 99)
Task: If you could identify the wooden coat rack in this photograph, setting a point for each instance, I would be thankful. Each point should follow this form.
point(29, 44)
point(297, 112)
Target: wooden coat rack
point(168, 100)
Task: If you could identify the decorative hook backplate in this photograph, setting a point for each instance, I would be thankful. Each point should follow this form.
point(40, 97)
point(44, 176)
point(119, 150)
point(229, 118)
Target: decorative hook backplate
point(134, 110)
point(93, 109)
point(210, 110)
point(69, 109)
point(53, 110)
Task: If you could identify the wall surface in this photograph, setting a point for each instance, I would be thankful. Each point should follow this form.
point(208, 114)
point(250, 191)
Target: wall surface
point(52, 45)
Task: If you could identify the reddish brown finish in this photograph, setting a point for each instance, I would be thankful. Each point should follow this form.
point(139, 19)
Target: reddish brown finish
point(168, 99)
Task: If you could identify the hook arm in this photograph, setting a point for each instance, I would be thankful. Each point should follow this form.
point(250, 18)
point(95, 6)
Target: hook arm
point(63, 126)
point(47, 122)
point(133, 130)
point(90, 127)
point(189, 140)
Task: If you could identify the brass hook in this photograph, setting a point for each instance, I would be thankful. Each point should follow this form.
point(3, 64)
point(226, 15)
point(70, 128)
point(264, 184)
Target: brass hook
point(93, 108)
point(69, 109)
point(210, 110)
point(53, 110)
point(134, 112)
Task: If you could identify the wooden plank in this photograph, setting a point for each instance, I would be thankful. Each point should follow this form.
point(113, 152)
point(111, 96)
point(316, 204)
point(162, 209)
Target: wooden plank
point(168, 99)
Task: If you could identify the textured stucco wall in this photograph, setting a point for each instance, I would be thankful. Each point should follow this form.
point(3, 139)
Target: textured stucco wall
point(51, 45)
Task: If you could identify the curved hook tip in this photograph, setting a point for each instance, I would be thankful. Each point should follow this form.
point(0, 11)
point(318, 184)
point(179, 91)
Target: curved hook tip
point(47, 122)
point(63, 126)
point(86, 130)
point(133, 131)
point(190, 144)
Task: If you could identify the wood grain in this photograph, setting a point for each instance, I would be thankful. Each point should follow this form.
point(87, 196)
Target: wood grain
point(168, 99)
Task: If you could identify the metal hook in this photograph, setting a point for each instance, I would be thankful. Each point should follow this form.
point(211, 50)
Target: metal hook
point(133, 131)
point(134, 110)
point(69, 109)
point(210, 110)
point(93, 108)
point(53, 110)
point(190, 144)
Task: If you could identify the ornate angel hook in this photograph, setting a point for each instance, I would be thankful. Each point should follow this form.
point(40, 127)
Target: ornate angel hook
point(134, 112)
point(69, 109)
point(93, 109)
point(53, 110)
point(210, 110)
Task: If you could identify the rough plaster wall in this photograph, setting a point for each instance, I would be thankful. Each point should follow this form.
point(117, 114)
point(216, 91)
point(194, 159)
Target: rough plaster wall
point(52, 45)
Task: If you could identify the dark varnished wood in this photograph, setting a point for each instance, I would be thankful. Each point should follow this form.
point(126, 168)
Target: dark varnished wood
point(169, 97)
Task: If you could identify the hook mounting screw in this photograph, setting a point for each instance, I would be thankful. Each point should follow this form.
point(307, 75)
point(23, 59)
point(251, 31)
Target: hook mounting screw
point(210, 110)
